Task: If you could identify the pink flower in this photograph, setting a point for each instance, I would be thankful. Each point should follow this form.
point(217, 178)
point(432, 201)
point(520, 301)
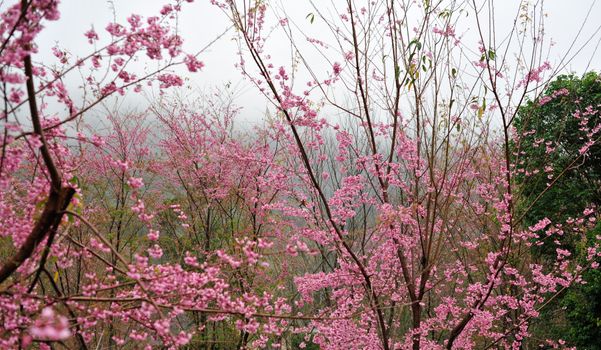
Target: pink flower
point(153, 235)
point(189, 259)
point(535, 75)
point(50, 327)
point(448, 31)
point(169, 80)
point(135, 182)
point(116, 29)
point(91, 35)
point(544, 100)
point(155, 251)
point(122, 165)
point(183, 338)
point(337, 68)
point(108, 89)
point(193, 64)
point(167, 9)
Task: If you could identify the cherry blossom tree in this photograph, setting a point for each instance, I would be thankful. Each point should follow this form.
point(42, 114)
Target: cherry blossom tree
point(377, 207)
point(53, 238)
point(419, 204)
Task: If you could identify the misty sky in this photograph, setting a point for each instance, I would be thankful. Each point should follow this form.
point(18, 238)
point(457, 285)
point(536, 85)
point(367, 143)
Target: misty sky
point(201, 22)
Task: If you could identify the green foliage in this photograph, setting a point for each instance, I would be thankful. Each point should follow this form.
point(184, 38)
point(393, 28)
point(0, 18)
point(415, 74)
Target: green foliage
point(583, 304)
point(298, 339)
point(554, 121)
point(551, 118)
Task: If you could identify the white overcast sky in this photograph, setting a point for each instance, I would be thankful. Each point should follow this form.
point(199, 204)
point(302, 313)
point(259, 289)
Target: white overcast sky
point(201, 22)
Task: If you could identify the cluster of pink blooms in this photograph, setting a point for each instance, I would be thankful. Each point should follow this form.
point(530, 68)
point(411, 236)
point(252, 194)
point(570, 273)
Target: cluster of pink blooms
point(388, 269)
point(546, 99)
point(448, 32)
point(535, 75)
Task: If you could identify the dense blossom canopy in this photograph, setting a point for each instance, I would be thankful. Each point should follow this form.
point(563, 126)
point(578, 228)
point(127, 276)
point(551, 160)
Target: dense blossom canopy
point(377, 207)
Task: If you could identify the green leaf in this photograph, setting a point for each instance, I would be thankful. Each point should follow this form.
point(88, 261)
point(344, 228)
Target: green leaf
point(444, 13)
point(311, 17)
point(417, 44)
point(74, 181)
point(482, 108)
